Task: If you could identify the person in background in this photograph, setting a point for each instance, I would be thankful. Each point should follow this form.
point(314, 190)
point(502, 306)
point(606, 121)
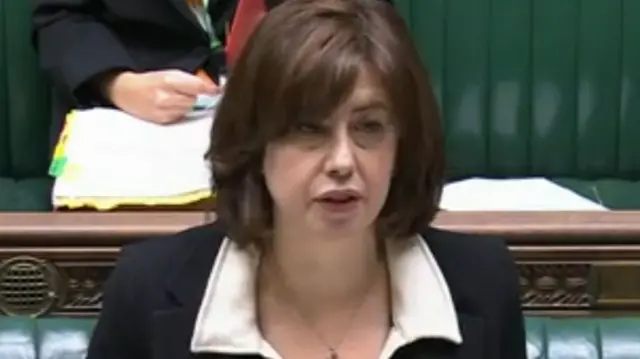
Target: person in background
point(328, 158)
point(150, 58)
point(140, 56)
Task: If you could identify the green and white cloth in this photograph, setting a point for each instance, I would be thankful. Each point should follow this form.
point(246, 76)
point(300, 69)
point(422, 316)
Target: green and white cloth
point(205, 21)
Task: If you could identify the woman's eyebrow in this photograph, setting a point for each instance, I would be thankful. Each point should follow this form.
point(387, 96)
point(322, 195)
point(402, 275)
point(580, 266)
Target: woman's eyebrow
point(369, 104)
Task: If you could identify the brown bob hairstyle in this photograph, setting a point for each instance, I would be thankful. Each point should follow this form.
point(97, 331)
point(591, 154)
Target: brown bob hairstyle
point(303, 61)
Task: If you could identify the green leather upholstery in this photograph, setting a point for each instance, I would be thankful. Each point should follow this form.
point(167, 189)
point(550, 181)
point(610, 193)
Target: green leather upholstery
point(47, 338)
point(537, 88)
point(583, 338)
point(24, 115)
point(547, 338)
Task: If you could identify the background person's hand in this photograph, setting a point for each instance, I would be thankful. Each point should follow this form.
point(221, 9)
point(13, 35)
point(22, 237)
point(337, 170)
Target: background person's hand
point(158, 96)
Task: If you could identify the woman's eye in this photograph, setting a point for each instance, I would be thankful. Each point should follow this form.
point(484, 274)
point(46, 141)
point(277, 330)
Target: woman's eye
point(308, 128)
point(308, 134)
point(370, 126)
point(369, 132)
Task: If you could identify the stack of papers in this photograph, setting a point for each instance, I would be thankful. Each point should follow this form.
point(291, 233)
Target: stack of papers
point(526, 194)
point(107, 158)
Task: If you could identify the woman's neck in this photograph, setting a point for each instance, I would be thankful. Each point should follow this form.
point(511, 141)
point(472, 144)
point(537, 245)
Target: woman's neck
point(320, 275)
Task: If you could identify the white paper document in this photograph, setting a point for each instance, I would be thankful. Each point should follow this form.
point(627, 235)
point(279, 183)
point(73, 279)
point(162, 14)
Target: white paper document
point(110, 154)
point(529, 194)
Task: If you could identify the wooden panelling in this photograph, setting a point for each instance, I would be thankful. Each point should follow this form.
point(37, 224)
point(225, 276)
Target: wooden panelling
point(570, 262)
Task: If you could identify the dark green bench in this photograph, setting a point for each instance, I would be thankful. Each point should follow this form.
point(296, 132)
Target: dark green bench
point(533, 88)
point(547, 338)
point(24, 116)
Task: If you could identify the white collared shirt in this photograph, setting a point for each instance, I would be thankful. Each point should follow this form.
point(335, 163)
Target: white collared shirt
point(421, 303)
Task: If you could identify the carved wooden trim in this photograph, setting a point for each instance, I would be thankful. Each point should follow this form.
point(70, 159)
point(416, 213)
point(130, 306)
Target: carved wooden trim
point(83, 287)
point(555, 286)
point(50, 282)
point(570, 263)
point(76, 286)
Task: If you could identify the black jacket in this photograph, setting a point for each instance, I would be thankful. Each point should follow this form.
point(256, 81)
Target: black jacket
point(152, 298)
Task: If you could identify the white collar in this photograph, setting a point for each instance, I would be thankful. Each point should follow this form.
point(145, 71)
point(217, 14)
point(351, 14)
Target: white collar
point(227, 322)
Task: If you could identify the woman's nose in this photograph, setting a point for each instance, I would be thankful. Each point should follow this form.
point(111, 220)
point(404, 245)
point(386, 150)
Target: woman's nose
point(340, 162)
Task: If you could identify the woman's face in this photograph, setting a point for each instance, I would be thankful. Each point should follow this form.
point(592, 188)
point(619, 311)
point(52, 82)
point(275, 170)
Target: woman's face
point(334, 176)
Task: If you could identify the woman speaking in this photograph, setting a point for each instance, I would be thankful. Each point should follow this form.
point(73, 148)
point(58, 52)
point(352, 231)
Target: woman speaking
point(327, 155)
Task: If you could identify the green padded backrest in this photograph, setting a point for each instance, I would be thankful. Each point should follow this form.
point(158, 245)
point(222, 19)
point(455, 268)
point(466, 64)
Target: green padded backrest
point(534, 87)
point(25, 114)
point(547, 338)
point(47, 338)
point(5, 166)
point(583, 338)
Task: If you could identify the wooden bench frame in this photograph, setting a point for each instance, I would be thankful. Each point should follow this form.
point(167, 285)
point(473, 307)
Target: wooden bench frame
point(571, 263)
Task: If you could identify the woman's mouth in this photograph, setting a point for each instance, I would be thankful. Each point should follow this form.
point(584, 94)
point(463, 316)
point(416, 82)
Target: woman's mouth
point(340, 200)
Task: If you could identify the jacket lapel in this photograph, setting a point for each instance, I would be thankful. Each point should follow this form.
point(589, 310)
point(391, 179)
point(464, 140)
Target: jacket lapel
point(473, 337)
point(172, 327)
point(171, 332)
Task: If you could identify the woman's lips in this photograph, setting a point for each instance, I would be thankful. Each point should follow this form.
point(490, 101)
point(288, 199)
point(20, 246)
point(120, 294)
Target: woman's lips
point(341, 205)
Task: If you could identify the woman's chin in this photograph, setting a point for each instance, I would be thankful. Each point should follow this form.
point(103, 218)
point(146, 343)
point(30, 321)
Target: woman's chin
point(340, 226)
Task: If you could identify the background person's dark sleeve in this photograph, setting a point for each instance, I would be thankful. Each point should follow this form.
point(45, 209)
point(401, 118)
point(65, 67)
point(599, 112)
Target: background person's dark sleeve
point(75, 48)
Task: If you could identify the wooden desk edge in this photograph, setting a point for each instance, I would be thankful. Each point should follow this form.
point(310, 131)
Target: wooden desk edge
point(519, 226)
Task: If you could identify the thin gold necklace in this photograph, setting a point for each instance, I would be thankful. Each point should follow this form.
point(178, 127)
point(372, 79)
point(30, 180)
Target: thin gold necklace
point(306, 324)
